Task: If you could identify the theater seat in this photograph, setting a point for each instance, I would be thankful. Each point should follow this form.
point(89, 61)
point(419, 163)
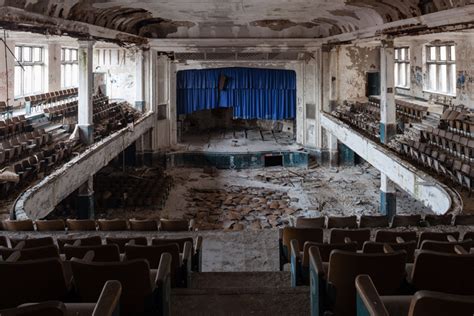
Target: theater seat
point(368, 221)
point(32, 242)
point(313, 222)
point(143, 225)
point(196, 250)
point(112, 224)
point(122, 241)
point(446, 246)
point(435, 220)
point(140, 295)
point(302, 235)
point(102, 253)
point(174, 225)
point(36, 253)
point(338, 236)
point(80, 224)
point(85, 241)
point(18, 225)
point(405, 220)
point(342, 222)
point(437, 236)
point(391, 236)
point(378, 247)
point(464, 220)
point(50, 225)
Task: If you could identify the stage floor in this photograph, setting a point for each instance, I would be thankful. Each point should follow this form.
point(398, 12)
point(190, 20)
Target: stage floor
point(238, 141)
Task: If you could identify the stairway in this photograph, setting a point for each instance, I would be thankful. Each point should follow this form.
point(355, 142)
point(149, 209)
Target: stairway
point(240, 293)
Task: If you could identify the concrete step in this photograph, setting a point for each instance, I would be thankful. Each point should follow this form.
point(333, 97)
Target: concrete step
point(220, 280)
point(241, 301)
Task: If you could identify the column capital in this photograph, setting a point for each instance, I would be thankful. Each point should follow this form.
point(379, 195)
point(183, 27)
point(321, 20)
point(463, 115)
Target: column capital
point(387, 43)
point(86, 43)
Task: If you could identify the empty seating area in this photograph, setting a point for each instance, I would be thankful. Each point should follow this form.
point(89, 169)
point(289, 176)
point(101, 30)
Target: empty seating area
point(125, 191)
point(356, 274)
point(447, 150)
point(47, 101)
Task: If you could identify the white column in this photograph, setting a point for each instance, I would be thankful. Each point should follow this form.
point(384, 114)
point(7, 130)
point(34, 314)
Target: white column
point(86, 86)
point(140, 81)
point(388, 119)
point(332, 148)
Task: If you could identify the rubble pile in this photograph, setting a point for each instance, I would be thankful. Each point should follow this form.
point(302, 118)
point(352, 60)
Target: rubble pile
point(236, 207)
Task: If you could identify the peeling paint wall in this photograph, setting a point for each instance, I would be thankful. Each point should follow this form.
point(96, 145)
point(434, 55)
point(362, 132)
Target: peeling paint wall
point(119, 66)
point(7, 73)
point(464, 69)
point(349, 74)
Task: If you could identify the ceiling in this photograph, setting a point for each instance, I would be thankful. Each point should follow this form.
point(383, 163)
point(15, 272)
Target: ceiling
point(235, 18)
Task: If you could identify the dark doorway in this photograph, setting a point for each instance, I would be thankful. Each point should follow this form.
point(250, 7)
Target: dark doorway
point(273, 160)
point(373, 84)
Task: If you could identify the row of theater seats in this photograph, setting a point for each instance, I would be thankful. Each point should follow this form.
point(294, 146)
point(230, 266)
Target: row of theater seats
point(362, 121)
point(406, 110)
point(340, 270)
point(118, 192)
point(450, 162)
point(77, 271)
point(458, 121)
point(69, 109)
point(456, 145)
point(13, 126)
point(92, 225)
point(50, 99)
point(5, 109)
point(375, 221)
point(23, 145)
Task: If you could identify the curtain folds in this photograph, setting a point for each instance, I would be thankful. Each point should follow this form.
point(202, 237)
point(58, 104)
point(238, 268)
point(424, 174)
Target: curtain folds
point(253, 93)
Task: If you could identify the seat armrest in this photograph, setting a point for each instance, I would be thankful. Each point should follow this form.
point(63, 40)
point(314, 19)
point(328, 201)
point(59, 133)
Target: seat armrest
point(20, 245)
point(368, 300)
point(451, 238)
point(187, 257)
point(162, 291)
point(14, 257)
point(295, 260)
point(89, 256)
point(197, 255)
point(347, 240)
point(131, 242)
point(400, 240)
point(460, 250)
point(77, 243)
point(109, 299)
point(198, 244)
point(317, 281)
point(387, 248)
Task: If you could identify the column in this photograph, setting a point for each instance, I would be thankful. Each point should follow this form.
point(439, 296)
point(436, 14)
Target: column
point(140, 81)
point(86, 86)
point(332, 148)
point(148, 148)
point(85, 200)
point(388, 119)
point(388, 200)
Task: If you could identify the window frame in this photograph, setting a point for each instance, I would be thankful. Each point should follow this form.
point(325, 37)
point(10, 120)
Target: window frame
point(72, 63)
point(398, 63)
point(438, 62)
point(32, 63)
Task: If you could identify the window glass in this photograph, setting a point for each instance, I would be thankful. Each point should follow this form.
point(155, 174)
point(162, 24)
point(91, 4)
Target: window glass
point(432, 53)
point(442, 53)
point(26, 54)
point(453, 53)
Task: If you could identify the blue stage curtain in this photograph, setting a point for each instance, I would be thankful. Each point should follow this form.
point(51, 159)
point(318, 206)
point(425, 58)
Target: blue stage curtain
point(253, 93)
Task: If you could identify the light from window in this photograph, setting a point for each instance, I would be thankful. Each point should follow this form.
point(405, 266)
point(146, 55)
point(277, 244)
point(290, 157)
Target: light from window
point(30, 79)
point(441, 69)
point(402, 67)
point(69, 68)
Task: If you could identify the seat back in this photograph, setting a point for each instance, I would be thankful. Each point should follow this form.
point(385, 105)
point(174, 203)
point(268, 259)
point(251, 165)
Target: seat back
point(174, 225)
point(85, 241)
point(50, 225)
point(112, 224)
point(166, 241)
point(122, 241)
point(32, 281)
point(342, 222)
point(80, 224)
point(50, 308)
point(326, 249)
point(368, 221)
point(405, 220)
point(468, 235)
point(18, 225)
point(143, 225)
point(134, 276)
point(36, 253)
point(444, 272)
point(4, 241)
point(391, 236)
point(446, 246)
point(387, 271)
point(314, 222)
point(378, 247)
point(302, 235)
point(435, 220)
point(428, 303)
point(436, 236)
point(102, 253)
point(337, 236)
point(464, 220)
point(33, 242)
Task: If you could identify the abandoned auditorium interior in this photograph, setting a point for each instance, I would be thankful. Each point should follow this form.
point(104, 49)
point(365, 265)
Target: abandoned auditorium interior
point(237, 157)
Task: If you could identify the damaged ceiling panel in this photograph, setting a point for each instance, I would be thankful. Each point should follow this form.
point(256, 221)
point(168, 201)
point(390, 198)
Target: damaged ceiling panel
point(234, 18)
